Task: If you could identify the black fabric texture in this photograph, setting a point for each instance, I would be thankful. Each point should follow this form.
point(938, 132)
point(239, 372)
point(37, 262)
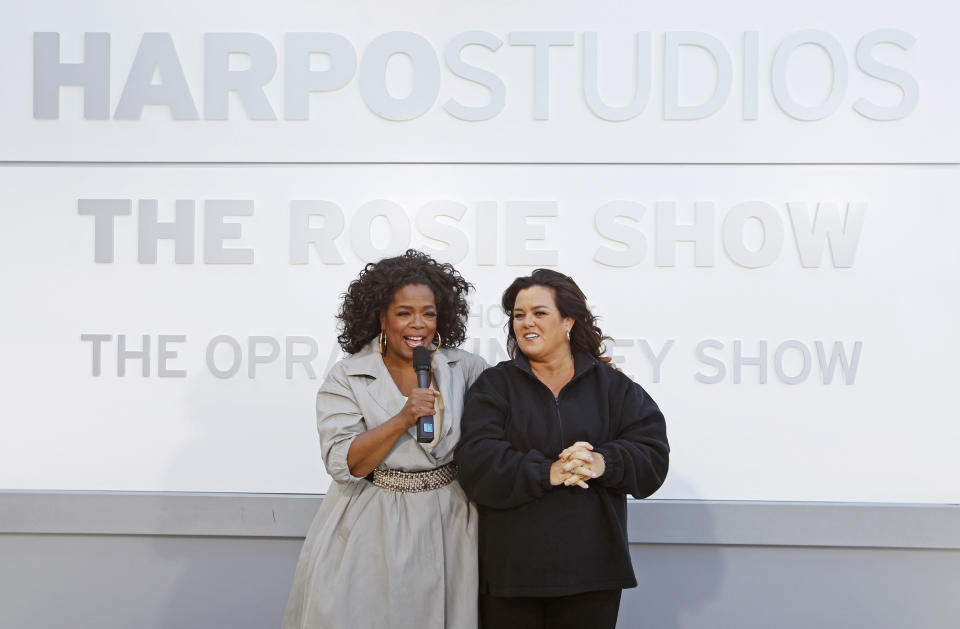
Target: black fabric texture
point(540, 540)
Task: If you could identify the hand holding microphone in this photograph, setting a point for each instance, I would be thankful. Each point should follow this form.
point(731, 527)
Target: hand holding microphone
point(421, 364)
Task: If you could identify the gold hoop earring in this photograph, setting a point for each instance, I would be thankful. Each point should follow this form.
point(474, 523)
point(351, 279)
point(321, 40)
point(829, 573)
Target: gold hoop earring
point(383, 343)
point(439, 341)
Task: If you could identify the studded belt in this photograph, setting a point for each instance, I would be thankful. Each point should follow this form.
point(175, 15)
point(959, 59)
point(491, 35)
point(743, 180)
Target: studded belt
point(409, 482)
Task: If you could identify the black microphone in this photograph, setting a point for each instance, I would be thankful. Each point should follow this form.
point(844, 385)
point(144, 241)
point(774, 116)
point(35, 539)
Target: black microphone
point(421, 364)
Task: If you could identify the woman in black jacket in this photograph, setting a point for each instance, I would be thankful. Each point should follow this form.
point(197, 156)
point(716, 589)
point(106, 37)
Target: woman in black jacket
point(552, 442)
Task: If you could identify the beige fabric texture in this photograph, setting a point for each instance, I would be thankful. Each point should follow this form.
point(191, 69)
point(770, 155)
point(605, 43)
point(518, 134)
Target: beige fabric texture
point(374, 558)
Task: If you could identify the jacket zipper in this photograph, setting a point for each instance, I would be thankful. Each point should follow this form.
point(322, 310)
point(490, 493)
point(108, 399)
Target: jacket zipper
point(560, 423)
point(556, 400)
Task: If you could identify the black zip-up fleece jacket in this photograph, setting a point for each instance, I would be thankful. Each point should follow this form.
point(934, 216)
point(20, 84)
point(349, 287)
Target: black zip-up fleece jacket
point(540, 540)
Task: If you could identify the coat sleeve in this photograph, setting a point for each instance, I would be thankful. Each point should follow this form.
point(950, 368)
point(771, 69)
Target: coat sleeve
point(637, 459)
point(338, 422)
point(475, 365)
point(492, 471)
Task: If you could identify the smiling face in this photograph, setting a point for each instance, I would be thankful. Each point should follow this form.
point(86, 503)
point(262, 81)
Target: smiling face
point(540, 330)
point(410, 320)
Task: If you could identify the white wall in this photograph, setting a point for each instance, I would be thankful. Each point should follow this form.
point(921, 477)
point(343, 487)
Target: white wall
point(557, 191)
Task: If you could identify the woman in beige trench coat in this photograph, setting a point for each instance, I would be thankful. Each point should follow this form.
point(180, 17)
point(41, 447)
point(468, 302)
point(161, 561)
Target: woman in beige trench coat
point(394, 543)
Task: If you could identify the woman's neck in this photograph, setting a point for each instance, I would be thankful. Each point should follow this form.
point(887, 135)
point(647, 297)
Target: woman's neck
point(393, 361)
point(554, 371)
point(402, 373)
point(553, 364)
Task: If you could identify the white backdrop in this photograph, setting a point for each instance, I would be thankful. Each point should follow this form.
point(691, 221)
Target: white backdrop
point(881, 429)
point(800, 339)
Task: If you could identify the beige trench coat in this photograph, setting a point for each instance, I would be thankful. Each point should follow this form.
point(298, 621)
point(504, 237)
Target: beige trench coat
point(375, 558)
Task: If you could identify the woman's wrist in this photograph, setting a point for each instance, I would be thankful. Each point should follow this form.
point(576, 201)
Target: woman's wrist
point(402, 421)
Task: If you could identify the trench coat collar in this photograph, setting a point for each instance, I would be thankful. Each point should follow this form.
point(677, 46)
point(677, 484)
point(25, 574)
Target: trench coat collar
point(383, 390)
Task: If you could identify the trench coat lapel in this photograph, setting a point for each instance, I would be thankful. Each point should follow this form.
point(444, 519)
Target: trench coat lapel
point(443, 375)
point(381, 399)
point(450, 384)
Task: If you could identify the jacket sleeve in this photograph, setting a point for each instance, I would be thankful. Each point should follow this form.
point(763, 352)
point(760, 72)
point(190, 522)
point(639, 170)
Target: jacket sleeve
point(492, 471)
point(338, 422)
point(637, 459)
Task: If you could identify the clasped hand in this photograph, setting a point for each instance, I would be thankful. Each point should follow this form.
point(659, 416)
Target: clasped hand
point(576, 465)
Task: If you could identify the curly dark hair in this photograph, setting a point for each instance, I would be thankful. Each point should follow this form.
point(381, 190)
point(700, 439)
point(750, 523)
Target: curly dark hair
point(367, 296)
point(585, 335)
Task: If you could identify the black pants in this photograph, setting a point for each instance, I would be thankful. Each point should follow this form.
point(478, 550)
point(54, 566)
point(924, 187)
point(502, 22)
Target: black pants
point(590, 610)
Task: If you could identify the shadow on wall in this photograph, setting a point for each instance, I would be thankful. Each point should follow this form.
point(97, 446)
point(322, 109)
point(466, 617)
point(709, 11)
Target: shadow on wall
point(674, 581)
